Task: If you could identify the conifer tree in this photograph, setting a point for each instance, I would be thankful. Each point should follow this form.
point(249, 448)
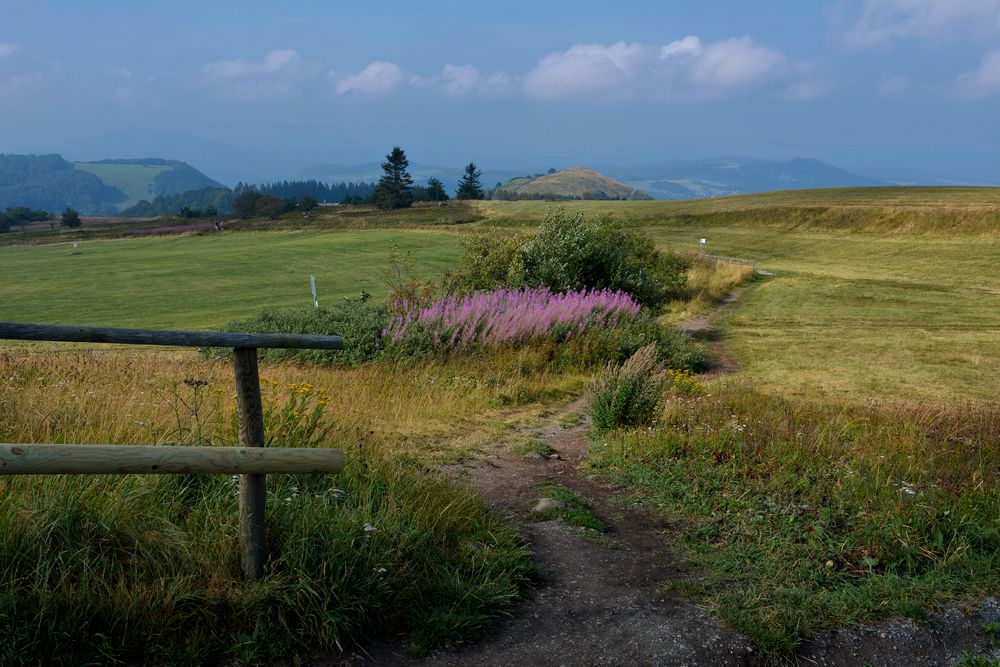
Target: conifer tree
point(435, 190)
point(395, 188)
point(470, 187)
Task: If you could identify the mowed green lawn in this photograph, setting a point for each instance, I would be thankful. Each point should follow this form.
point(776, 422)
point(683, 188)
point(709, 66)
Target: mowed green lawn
point(863, 316)
point(202, 282)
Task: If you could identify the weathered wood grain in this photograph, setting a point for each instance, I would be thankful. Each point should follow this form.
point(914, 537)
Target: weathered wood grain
point(36, 459)
point(60, 333)
point(253, 488)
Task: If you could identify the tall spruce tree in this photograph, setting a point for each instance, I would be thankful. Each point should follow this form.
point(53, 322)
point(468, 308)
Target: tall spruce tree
point(435, 190)
point(395, 188)
point(470, 187)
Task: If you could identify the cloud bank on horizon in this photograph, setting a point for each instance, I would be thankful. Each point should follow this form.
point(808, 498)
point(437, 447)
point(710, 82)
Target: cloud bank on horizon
point(829, 79)
point(684, 68)
point(681, 67)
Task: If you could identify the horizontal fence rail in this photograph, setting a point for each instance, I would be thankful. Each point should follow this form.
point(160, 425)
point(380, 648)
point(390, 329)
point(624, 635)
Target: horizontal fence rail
point(33, 459)
point(729, 260)
point(71, 334)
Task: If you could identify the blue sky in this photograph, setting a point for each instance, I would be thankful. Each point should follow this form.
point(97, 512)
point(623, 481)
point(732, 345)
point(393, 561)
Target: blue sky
point(260, 89)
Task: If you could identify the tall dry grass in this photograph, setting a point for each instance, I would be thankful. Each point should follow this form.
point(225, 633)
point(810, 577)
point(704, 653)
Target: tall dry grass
point(97, 569)
point(709, 282)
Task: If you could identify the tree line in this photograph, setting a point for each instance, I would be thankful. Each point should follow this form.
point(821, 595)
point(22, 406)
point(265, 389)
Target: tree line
point(396, 189)
point(338, 192)
point(22, 216)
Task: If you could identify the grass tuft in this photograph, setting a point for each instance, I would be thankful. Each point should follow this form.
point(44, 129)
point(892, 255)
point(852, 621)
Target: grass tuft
point(574, 511)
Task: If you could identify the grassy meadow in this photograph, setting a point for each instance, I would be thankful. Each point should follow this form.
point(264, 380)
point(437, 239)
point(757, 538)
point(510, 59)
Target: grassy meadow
point(845, 473)
point(201, 282)
point(135, 180)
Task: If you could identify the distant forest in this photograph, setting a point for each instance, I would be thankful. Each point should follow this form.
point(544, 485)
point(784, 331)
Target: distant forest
point(207, 201)
point(333, 193)
point(50, 183)
point(215, 201)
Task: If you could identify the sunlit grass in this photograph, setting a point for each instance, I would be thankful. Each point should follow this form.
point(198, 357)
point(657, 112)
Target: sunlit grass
point(802, 514)
point(128, 567)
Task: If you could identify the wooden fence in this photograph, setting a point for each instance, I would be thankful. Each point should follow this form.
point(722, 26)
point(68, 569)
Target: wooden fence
point(729, 260)
point(250, 460)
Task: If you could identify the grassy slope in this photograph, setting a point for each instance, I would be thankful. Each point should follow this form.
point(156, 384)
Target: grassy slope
point(202, 281)
point(135, 180)
point(867, 310)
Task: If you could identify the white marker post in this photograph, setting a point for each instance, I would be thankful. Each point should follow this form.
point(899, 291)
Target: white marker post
point(312, 282)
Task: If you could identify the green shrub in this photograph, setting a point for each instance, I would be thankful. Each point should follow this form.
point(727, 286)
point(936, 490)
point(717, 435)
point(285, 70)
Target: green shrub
point(487, 260)
point(629, 394)
point(674, 349)
point(568, 252)
point(359, 321)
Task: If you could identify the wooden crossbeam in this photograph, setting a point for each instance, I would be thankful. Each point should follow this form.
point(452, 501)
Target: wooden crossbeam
point(72, 334)
point(35, 459)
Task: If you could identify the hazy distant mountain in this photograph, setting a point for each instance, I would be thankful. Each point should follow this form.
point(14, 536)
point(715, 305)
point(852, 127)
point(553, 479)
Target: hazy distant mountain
point(689, 179)
point(572, 183)
point(51, 183)
point(148, 178)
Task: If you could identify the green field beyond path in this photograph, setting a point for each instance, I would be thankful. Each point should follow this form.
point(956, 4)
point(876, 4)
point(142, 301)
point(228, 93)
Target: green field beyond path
point(863, 316)
point(202, 282)
point(852, 313)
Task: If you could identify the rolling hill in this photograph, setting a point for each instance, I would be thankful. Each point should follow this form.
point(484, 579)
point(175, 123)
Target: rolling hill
point(51, 183)
point(572, 183)
point(148, 178)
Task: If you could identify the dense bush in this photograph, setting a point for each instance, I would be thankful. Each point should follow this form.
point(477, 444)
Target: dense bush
point(512, 317)
point(487, 260)
point(674, 349)
point(568, 252)
point(575, 330)
point(359, 321)
point(627, 394)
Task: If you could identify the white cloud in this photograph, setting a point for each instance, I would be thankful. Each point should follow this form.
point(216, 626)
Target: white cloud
point(884, 22)
point(734, 63)
point(459, 80)
point(587, 69)
point(6, 48)
point(984, 81)
point(378, 78)
point(689, 46)
point(273, 63)
point(683, 68)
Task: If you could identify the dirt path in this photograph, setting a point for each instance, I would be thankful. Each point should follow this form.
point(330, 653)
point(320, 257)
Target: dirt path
point(597, 604)
point(705, 328)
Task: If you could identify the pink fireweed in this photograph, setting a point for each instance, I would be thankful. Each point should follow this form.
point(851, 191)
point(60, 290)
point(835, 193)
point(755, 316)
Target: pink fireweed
point(511, 317)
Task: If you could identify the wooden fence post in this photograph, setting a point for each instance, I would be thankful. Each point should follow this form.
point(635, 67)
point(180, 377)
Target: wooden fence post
point(253, 488)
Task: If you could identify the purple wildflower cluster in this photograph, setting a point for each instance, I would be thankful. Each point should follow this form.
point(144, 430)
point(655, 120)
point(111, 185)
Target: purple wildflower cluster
point(511, 317)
